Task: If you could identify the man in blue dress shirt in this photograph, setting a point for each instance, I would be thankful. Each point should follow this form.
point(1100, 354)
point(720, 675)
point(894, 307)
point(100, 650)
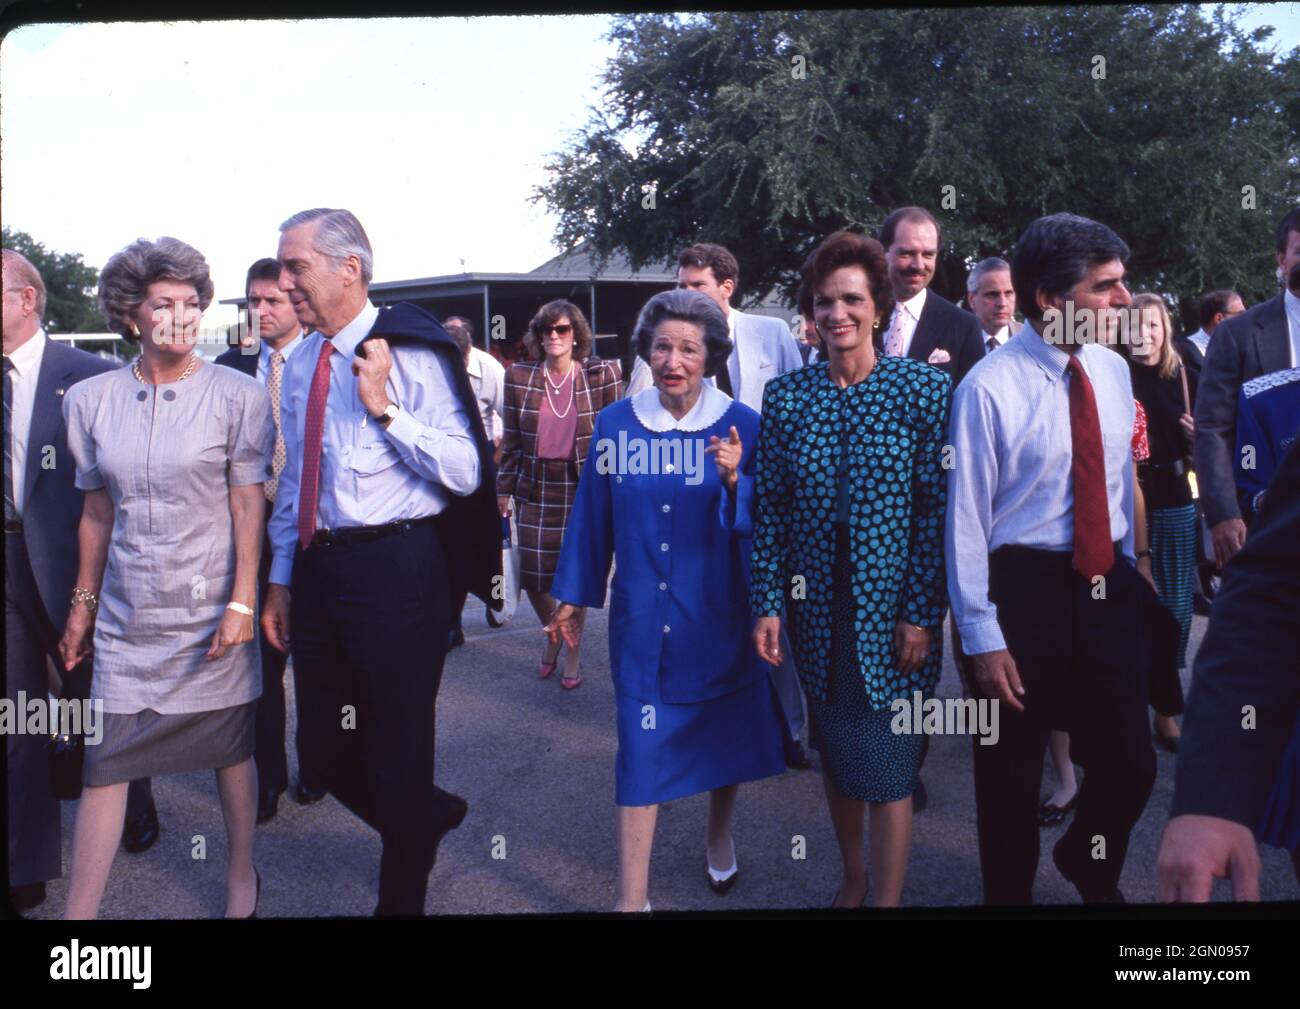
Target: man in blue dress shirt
point(1040, 566)
point(380, 442)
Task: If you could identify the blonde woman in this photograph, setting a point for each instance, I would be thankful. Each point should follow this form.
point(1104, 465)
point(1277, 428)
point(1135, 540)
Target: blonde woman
point(1167, 391)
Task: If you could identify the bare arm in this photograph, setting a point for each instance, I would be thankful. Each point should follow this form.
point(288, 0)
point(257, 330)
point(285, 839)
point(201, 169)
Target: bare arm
point(247, 509)
point(94, 533)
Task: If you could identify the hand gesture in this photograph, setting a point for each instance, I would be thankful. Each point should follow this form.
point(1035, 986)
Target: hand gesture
point(997, 677)
point(372, 376)
point(563, 625)
point(767, 639)
point(74, 646)
point(911, 645)
point(234, 629)
point(1188, 423)
point(1197, 850)
point(726, 454)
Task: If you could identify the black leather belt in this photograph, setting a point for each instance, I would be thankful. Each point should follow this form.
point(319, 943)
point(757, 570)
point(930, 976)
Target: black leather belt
point(365, 534)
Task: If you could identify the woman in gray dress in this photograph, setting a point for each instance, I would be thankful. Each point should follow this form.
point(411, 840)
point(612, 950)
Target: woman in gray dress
point(171, 453)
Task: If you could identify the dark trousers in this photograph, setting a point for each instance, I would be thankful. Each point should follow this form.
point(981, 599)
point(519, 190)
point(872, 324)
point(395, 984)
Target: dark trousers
point(35, 852)
point(1083, 665)
point(268, 731)
point(368, 624)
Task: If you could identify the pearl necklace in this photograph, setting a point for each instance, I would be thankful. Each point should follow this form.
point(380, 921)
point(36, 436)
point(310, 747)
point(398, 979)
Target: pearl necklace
point(556, 389)
point(189, 370)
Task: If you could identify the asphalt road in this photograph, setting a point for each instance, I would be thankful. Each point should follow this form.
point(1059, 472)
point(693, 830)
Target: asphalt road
point(537, 765)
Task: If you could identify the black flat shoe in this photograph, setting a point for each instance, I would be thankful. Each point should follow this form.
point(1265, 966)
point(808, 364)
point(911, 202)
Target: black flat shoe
point(26, 896)
point(1050, 814)
point(141, 832)
point(1167, 743)
point(449, 813)
point(305, 795)
point(268, 804)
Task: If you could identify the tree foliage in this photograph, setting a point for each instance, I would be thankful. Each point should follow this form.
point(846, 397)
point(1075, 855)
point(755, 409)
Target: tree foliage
point(767, 131)
point(69, 285)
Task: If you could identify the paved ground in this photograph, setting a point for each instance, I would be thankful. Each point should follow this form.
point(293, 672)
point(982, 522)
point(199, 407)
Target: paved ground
point(537, 766)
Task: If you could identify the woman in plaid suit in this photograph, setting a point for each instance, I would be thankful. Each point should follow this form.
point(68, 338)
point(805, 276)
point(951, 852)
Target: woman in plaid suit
point(550, 410)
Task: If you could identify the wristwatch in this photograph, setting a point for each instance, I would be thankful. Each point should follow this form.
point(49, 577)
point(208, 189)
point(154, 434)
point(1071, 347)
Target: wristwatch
point(388, 416)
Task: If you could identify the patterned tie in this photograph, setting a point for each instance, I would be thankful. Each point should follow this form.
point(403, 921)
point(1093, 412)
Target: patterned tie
point(11, 512)
point(1094, 552)
point(273, 390)
point(313, 439)
point(894, 341)
point(991, 344)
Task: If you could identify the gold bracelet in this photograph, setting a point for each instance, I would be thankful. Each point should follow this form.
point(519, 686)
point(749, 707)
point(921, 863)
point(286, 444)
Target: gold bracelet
point(87, 598)
point(239, 608)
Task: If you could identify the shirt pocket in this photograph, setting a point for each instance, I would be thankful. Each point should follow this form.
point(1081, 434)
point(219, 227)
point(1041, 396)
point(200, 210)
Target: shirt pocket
point(372, 450)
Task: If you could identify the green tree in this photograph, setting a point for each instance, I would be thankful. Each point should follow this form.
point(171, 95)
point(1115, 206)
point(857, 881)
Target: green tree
point(69, 285)
point(767, 131)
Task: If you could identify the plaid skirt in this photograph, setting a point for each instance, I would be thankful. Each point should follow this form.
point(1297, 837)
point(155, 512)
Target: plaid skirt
point(1173, 535)
point(540, 522)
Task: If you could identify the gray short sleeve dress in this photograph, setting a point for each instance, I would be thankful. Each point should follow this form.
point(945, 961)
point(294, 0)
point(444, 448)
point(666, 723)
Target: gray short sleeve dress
point(168, 456)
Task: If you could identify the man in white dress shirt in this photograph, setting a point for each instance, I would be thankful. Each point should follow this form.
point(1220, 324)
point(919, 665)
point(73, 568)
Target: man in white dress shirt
point(993, 300)
point(1041, 574)
point(1213, 309)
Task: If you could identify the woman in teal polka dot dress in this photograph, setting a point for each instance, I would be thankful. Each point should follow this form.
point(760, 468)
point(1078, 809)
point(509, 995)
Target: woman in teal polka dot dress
point(848, 548)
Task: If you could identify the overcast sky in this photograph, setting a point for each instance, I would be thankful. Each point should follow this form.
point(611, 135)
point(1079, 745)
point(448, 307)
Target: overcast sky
point(433, 131)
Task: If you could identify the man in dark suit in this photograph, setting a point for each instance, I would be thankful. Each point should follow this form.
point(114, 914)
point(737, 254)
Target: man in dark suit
point(1214, 308)
point(385, 509)
point(1246, 668)
point(272, 337)
point(991, 296)
point(42, 511)
point(924, 326)
point(1259, 341)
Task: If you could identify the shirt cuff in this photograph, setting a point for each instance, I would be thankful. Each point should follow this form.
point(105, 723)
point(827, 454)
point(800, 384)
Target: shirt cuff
point(985, 636)
point(405, 430)
point(281, 571)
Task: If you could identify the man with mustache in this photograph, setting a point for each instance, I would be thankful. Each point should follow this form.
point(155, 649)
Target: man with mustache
point(1261, 340)
point(924, 326)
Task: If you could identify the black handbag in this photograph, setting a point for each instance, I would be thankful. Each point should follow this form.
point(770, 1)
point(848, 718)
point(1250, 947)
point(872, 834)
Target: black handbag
point(67, 752)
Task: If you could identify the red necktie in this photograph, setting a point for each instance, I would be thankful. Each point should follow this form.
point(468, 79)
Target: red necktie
point(313, 438)
point(1094, 551)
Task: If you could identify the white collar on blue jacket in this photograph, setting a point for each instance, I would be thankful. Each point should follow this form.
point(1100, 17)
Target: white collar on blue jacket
point(706, 412)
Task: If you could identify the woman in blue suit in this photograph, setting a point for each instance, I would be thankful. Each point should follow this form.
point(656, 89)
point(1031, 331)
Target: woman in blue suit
point(848, 545)
point(694, 707)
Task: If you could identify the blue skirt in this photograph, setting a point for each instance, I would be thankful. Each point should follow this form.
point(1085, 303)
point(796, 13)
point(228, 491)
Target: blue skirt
point(669, 751)
point(1173, 534)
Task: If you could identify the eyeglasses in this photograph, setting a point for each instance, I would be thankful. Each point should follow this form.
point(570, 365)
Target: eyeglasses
point(563, 330)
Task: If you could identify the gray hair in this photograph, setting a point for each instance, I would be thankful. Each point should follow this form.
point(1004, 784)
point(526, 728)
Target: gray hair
point(686, 306)
point(991, 265)
point(125, 279)
point(339, 236)
point(19, 270)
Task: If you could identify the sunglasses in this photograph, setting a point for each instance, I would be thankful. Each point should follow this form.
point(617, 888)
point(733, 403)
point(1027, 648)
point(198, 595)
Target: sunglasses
point(563, 330)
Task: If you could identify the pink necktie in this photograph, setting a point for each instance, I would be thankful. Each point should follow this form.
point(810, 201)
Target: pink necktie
point(894, 342)
point(313, 438)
